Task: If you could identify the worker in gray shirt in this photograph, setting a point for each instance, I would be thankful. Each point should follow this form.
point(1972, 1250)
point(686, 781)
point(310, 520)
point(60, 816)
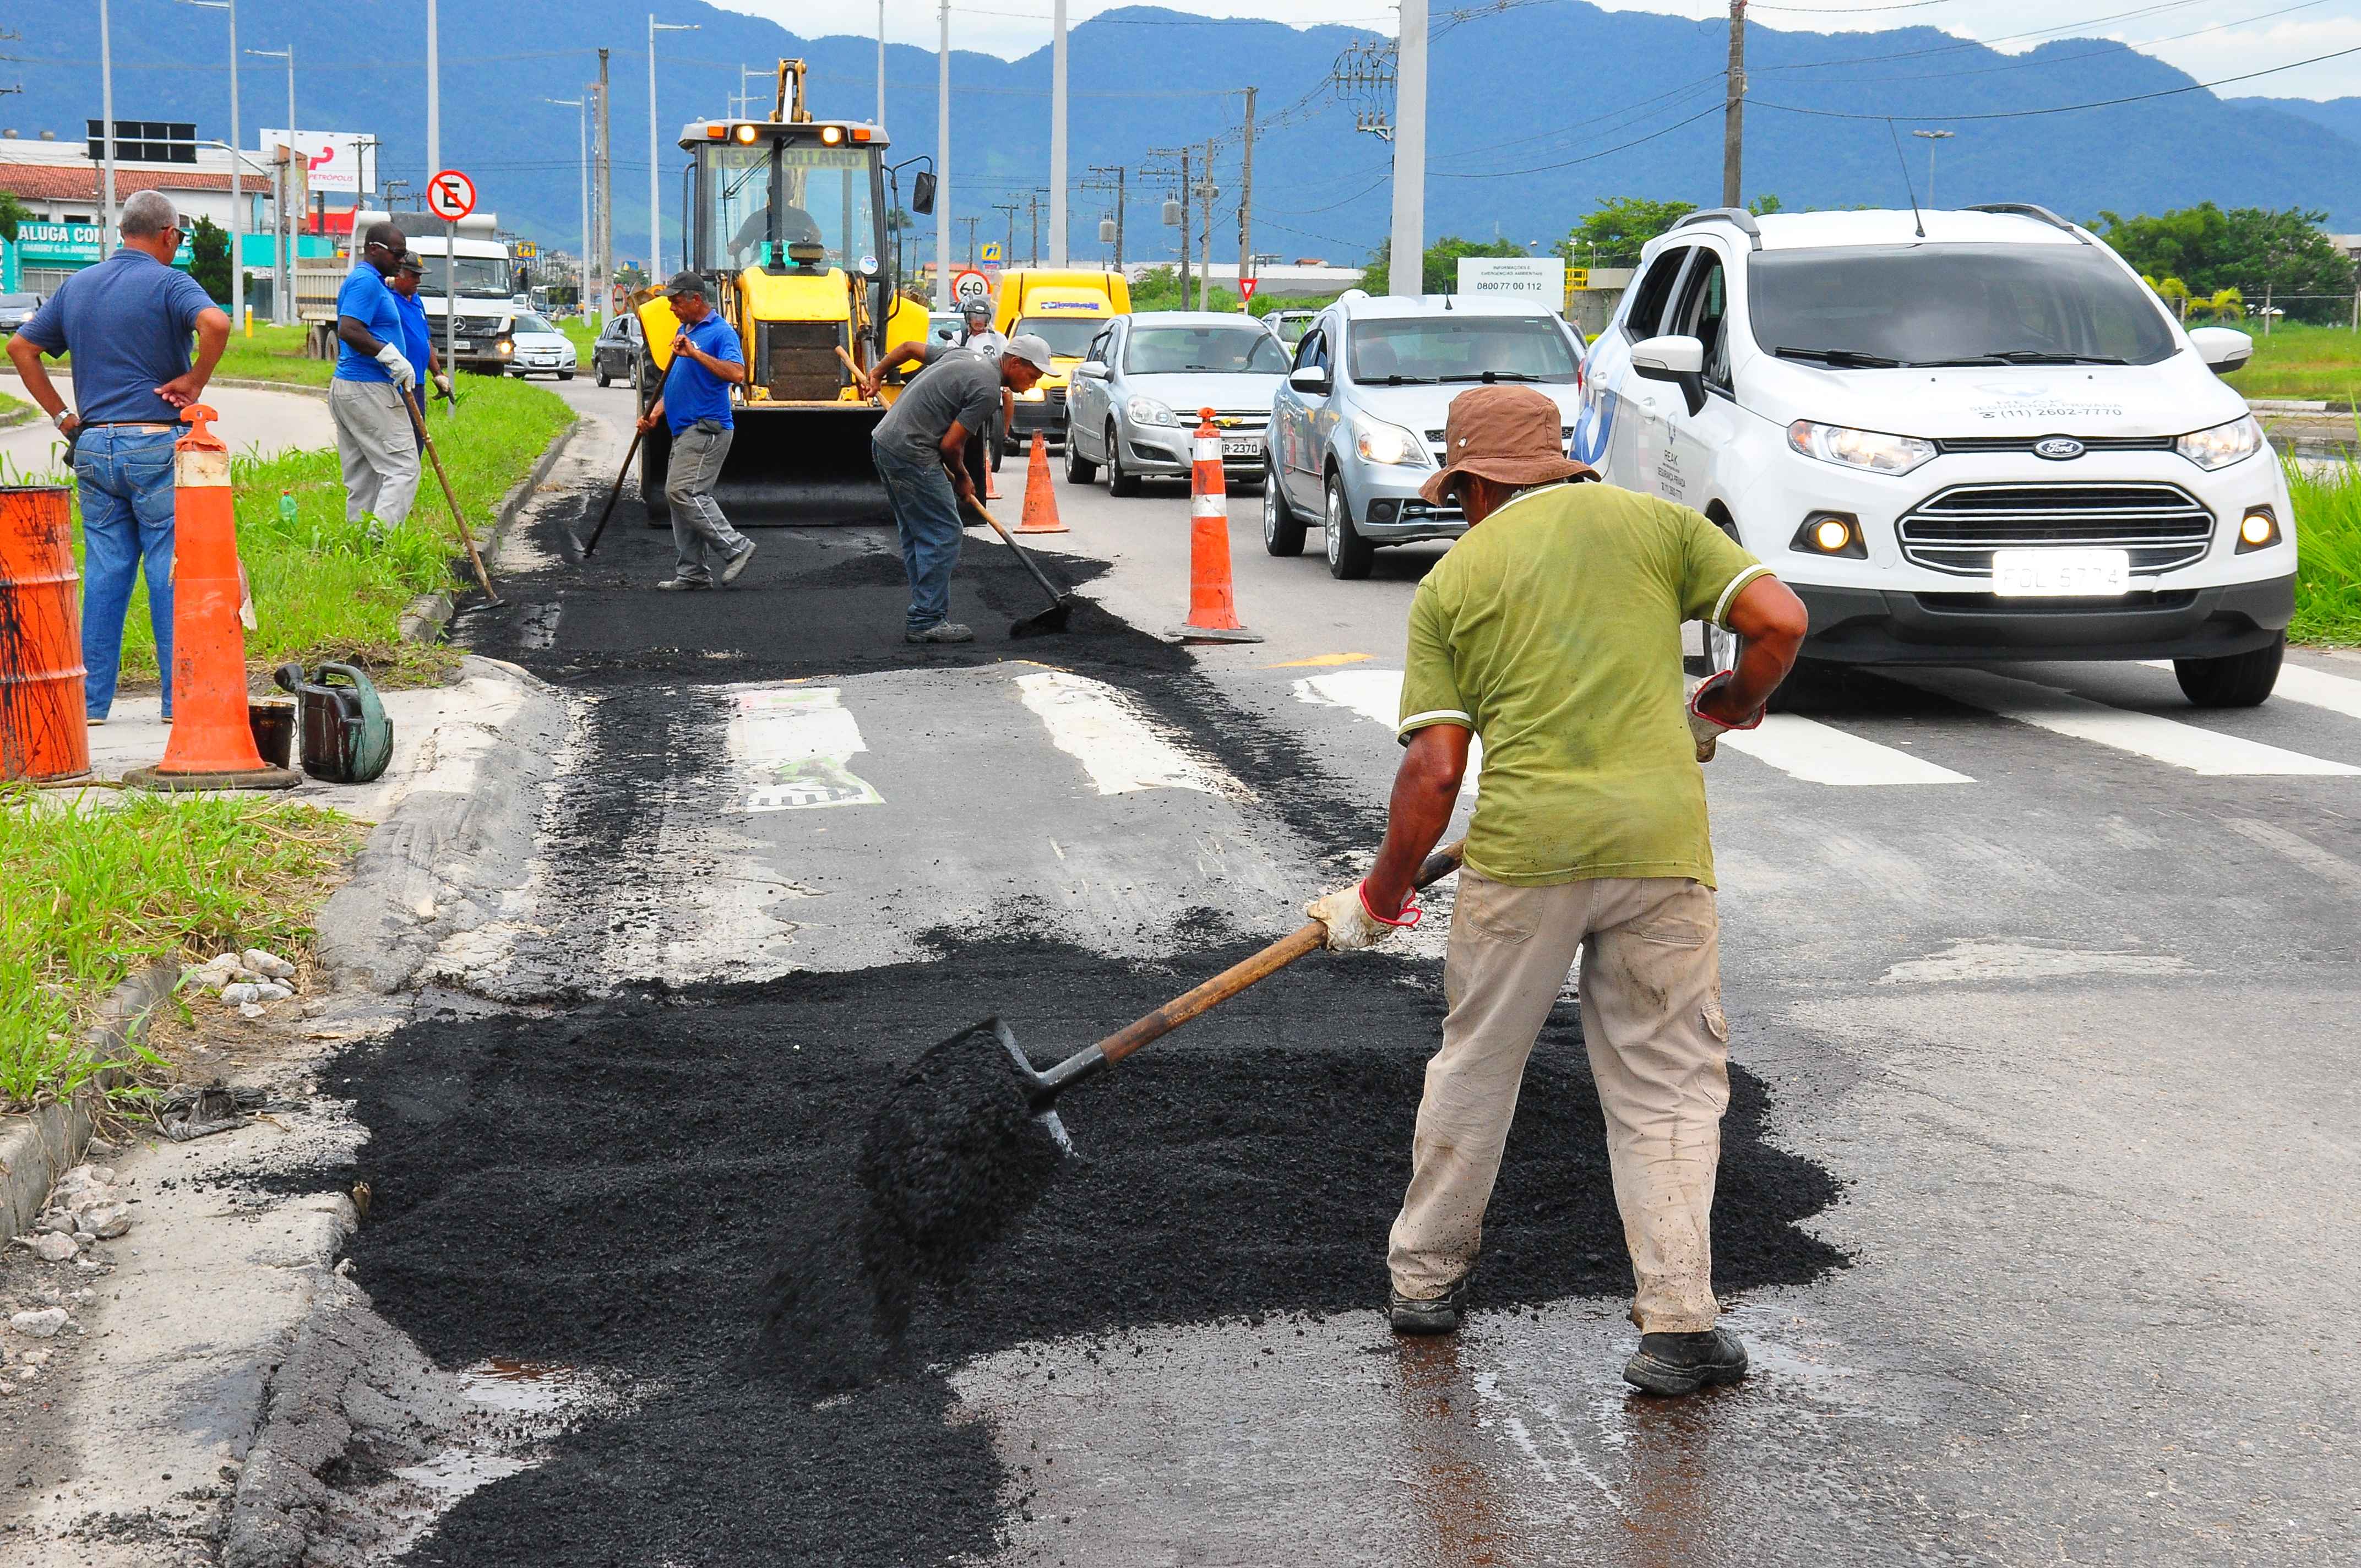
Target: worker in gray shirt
point(920, 447)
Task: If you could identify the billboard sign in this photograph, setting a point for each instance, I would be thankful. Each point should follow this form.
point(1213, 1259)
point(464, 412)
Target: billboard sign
point(75, 245)
point(1538, 278)
point(334, 161)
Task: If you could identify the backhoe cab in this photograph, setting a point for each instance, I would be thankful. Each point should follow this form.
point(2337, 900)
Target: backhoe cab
point(786, 219)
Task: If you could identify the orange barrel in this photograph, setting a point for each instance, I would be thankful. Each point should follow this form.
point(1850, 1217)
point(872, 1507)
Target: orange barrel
point(43, 734)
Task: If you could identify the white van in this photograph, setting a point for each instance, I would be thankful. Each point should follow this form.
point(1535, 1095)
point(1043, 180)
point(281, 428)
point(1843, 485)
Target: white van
point(1959, 436)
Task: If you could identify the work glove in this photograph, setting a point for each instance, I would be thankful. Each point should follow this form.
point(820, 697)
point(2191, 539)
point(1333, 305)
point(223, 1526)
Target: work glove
point(1706, 731)
point(1352, 925)
point(443, 384)
point(397, 365)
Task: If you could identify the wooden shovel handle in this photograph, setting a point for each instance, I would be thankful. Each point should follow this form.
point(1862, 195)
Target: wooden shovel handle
point(1308, 937)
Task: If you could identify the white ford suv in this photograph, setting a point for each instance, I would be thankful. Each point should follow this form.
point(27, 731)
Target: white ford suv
point(1959, 436)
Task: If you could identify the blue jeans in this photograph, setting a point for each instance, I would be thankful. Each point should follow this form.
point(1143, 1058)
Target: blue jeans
point(925, 515)
point(125, 477)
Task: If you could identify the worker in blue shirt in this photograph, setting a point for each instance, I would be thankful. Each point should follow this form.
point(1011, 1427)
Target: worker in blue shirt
point(417, 337)
point(370, 395)
point(126, 323)
point(695, 403)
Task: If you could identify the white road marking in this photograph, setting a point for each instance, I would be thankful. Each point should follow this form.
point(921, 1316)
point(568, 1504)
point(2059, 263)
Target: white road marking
point(2300, 682)
point(1098, 725)
point(2320, 863)
point(538, 626)
point(791, 744)
point(1977, 961)
point(1375, 694)
point(2142, 734)
point(1819, 754)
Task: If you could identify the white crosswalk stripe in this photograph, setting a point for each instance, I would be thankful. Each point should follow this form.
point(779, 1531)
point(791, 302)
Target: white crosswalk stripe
point(2167, 741)
point(2313, 688)
point(1094, 724)
point(1820, 753)
point(791, 745)
point(1377, 695)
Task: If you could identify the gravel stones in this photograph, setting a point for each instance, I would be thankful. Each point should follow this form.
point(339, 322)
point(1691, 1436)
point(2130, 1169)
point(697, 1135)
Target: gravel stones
point(50, 1246)
point(246, 981)
point(44, 1322)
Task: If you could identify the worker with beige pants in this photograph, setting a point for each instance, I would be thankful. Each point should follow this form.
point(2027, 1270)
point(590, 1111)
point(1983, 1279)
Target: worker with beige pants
point(1553, 630)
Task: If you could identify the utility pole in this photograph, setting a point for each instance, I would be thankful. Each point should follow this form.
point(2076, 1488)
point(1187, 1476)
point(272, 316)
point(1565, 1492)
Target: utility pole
point(1057, 138)
point(1008, 249)
point(106, 124)
point(1245, 207)
point(971, 223)
point(1733, 114)
point(1183, 205)
point(603, 208)
point(1408, 235)
point(943, 168)
point(1036, 252)
point(881, 70)
point(1118, 170)
point(1205, 273)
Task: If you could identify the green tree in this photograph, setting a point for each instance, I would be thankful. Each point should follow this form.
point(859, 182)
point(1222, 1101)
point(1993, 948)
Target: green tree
point(1441, 273)
point(2253, 250)
point(12, 213)
point(211, 266)
point(1613, 235)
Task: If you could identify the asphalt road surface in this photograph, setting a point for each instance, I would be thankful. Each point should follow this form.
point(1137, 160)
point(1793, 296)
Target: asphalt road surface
point(2052, 974)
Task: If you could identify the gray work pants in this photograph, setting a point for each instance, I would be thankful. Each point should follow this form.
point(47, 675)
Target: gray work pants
point(698, 525)
point(378, 448)
point(1651, 1020)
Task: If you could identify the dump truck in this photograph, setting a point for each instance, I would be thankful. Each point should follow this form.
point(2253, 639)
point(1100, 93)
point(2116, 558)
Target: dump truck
point(786, 219)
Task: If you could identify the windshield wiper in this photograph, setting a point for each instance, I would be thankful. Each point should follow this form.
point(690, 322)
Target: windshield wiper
point(1491, 375)
point(1395, 380)
point(2028, 357)
point(1841, 358)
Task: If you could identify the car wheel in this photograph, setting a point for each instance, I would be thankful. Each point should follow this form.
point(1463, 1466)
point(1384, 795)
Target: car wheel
point(1349, 554)
point(1721, 650)
point(1118, 482)
point(565, 375)
point(1282, 531)
point(2241, 680)
point(1079, 469)
point(602, 377)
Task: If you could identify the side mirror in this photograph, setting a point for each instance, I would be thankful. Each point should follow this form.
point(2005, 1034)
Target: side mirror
point(922, 192)
point(2225, 349)
point(1309, 378)
point(1092, 369)
point(1680, 360)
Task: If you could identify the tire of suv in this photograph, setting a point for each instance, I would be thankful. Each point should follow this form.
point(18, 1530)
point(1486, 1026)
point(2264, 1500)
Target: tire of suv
point(1794, 692)
point(1078, 470)
point(1282, 531)
point(1118, 482)
point(602, 377)
point(2241, 680)
point(1349, 554)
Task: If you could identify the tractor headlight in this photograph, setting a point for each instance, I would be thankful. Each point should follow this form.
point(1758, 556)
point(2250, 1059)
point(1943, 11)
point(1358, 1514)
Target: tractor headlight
point(1388, 444)
point(1869, 449)
point(2223, 445)
point(1147, 411)
point(745, 135)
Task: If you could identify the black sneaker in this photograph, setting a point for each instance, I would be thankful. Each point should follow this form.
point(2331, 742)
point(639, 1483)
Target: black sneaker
point(1682, 1364)
point(1436, 1315)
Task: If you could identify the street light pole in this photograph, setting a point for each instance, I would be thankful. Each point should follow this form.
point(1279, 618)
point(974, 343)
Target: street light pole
point(1058, 136)
point(106, 108)
point(433, 107)
point(881, 64)
point(583, 138)
point(943, 164)
point(237, 177)
point(1409, 241)
point(655, 156)
point(284, 235)
point(1931, 139)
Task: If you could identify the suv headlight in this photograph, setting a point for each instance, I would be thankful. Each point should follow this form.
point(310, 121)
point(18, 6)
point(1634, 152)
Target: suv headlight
point(1388, 443)
point(1869, 449)
point(2223, 445)
point(1147, 411)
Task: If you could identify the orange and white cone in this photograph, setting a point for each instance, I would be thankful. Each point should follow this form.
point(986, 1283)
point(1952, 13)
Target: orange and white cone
point(1041, 494)
point(213, 735)
point(1213, 601)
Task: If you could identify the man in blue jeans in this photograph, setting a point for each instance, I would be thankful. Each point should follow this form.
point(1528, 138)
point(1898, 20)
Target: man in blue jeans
point(126, 324)
point(920, 447)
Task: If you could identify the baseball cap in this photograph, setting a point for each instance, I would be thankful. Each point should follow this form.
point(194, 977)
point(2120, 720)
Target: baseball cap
point(685, 283)
point(1033, 350)
point(410, 262)
point(1513, 435)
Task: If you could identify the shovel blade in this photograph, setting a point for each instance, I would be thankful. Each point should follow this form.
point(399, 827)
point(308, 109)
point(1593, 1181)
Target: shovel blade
point(1038, 1091)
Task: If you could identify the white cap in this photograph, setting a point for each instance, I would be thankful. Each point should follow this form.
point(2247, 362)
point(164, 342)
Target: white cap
point(1033, 350)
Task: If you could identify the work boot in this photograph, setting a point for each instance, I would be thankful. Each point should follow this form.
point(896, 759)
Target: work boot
point(940, 631)
point(683, 585)
point(1434, 1315)
point(736, 562)
point(1682, 1364)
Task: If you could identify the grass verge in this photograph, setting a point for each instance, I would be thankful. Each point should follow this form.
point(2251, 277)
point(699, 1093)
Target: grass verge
point(2328, 554)
point(15, 410)
point(2309, 362)
point(91, 892)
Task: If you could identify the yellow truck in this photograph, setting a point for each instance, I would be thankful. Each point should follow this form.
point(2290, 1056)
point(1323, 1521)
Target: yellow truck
point(1066, 306)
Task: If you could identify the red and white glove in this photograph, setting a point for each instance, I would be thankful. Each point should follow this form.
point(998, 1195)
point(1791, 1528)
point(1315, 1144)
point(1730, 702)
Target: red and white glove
point(1708, 730)
point(1352, 925)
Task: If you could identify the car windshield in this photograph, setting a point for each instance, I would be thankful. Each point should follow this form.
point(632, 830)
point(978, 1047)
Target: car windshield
point(19, 302)
point(1069, 337)
point(1221, 350)
point(481, 277)
point(788, 194)
point(530, 322)
point(1954, 304)
point(1459, 346)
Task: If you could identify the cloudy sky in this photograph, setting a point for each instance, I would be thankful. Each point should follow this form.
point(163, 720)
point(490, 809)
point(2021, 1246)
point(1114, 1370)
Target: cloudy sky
point(2209, 38)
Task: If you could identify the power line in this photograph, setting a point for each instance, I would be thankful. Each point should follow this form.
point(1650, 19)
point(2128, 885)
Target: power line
point(1713, 108)
point(2065, 108)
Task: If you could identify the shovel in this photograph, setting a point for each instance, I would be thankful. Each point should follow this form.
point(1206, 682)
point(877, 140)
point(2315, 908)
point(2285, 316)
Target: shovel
point(1061, 601)
point(583, 547)
point(1042, 1089)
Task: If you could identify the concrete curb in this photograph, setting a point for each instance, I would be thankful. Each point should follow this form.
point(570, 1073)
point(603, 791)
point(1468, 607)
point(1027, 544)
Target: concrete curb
point(424, 618)
point(450, 857)
point(36, 1147)
point(261, 384)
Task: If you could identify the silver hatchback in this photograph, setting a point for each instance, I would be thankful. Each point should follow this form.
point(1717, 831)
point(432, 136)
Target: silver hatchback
point(1136, 400)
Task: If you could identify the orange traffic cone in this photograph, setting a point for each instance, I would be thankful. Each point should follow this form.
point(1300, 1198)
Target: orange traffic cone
point(213, 736)
point(1041, 496)
point(1212, 606)
point(43, 735)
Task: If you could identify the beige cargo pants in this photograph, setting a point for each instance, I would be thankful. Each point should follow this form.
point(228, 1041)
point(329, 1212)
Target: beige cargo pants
point(1652, 1016)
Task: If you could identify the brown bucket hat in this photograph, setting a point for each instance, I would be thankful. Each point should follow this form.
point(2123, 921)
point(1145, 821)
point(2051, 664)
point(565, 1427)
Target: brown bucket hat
point(1509, 434)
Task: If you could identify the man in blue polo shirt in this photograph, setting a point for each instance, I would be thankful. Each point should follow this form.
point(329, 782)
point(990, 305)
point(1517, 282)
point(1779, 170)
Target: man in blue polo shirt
point(126, 323)
point(370, 393)
point(705, 363)
point(417, 333)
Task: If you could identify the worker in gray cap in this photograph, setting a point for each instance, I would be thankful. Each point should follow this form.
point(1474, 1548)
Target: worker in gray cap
point(921, 451)
point(695, 403)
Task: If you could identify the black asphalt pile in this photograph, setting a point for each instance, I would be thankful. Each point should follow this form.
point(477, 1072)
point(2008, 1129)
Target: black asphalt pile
point(631, 1186)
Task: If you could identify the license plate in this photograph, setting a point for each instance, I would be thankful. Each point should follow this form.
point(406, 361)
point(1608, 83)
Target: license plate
point(2061, 573)
point(459, 343)
point(1242, 447)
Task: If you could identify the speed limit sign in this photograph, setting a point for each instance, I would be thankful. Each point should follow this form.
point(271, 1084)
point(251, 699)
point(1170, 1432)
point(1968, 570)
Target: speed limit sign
point(970, 285)
point(450, 196)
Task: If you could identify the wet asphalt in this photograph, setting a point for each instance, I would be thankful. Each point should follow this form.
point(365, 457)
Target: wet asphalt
point(2071, 1036)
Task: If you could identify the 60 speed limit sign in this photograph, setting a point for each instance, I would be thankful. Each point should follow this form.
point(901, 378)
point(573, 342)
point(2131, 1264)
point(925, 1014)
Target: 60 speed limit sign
point(969, 285)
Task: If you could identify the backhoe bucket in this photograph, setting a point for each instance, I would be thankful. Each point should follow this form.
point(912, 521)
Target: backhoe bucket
point(791, 465)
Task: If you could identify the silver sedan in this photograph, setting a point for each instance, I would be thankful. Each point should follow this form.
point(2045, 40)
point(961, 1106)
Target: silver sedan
point(1136, 400)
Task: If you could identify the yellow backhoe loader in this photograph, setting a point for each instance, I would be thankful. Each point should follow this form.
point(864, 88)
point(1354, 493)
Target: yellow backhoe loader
point(788, 220)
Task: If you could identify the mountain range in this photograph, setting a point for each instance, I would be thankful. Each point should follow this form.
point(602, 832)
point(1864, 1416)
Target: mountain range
point(1537, 111)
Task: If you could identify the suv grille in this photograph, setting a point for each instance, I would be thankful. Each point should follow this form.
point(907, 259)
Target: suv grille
point(1950, 444)
point(1956, 531)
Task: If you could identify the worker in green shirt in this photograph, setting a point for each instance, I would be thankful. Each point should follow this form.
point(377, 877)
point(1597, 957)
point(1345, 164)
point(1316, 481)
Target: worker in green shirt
point(1552, 632)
